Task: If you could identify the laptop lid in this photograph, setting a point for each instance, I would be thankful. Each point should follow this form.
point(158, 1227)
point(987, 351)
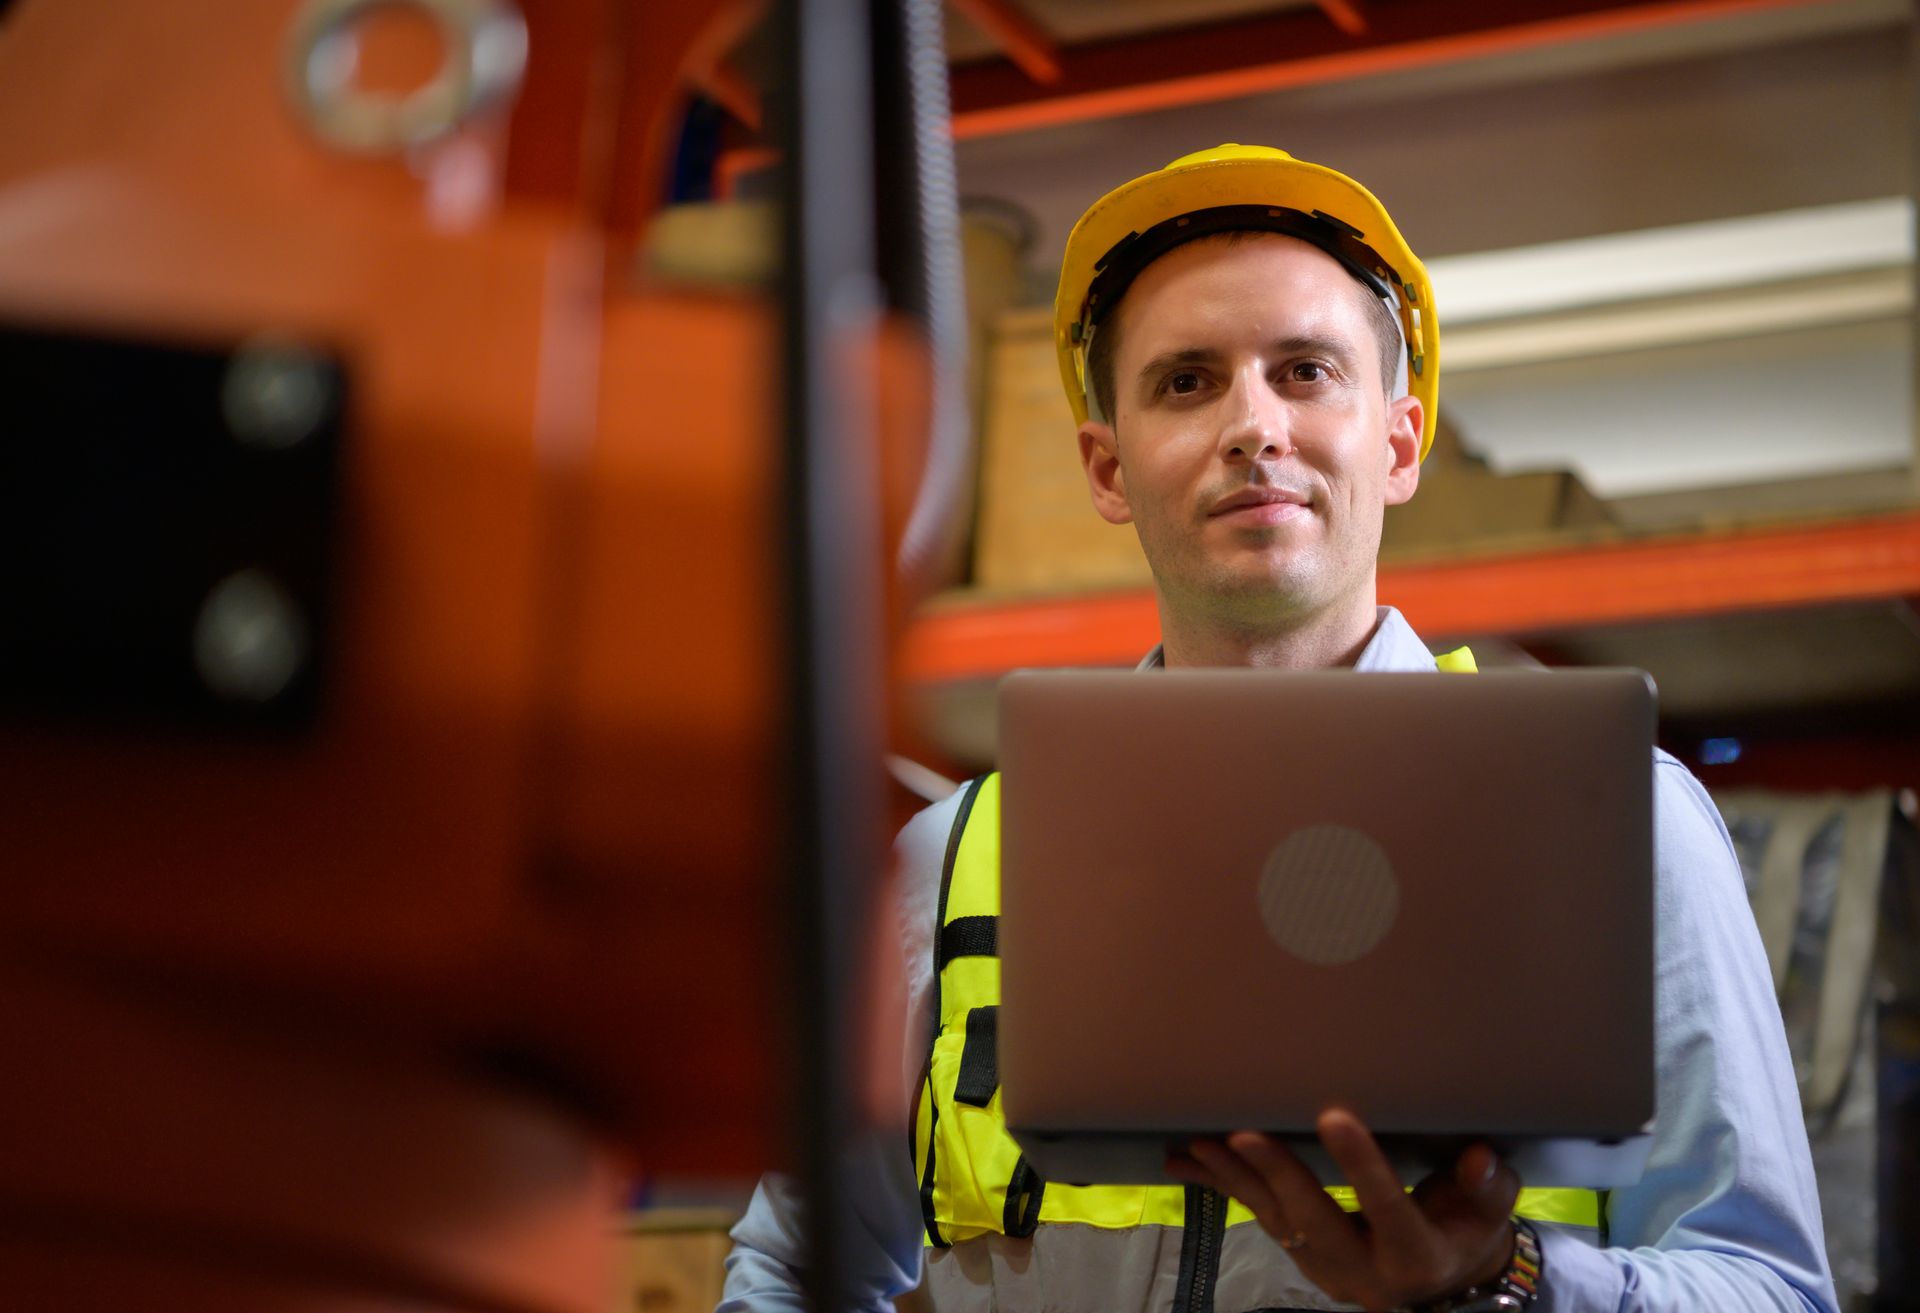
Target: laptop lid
point(1231, 898)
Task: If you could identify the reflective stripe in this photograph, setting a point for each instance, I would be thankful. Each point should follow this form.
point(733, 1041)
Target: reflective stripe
point(1577, 1208)
point(1572, 1207)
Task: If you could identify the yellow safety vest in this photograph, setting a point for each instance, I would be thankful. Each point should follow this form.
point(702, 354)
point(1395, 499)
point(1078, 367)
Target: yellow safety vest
point(973, 1179)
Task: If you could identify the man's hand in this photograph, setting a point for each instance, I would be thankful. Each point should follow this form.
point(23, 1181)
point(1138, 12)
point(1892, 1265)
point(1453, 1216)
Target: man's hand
point(1453, 1231)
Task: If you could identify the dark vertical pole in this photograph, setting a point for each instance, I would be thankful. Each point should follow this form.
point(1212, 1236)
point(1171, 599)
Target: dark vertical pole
point(898, 235)
point(919, 252)
point(1913, 190)
point(831, 500)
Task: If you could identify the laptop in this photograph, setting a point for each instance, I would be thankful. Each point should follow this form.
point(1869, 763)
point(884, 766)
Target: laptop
point(1231, 898)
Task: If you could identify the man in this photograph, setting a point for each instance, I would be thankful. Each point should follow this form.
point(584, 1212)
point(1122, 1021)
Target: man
point(1252, 352)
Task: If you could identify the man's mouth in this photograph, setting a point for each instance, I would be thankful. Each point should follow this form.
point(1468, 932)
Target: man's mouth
point(1260, 506)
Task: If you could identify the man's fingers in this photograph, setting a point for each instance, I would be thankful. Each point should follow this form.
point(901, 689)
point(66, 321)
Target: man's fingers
point(1309, 1211)
point(1488, 1182)
point(1234, 1176)
point(1403, 1238)
point(1403, 1245)
point(1185, 1167)
point(1474, 1170)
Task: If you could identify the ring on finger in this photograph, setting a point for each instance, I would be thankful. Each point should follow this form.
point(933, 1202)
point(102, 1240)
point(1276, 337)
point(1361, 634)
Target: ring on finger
point(1298, 1240)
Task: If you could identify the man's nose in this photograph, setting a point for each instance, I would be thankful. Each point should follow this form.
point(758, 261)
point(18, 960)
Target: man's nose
point(1256, 425)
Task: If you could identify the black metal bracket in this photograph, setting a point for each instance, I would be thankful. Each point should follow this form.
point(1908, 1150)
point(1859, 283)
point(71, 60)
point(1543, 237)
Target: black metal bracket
point(169, 520)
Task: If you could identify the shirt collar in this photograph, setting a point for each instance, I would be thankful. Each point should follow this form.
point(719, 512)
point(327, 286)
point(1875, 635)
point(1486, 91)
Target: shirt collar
point(1394, 646)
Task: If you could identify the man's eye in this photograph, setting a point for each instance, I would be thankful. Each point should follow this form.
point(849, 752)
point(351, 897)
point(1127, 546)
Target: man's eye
point(1183, 383)
point(1307, 371)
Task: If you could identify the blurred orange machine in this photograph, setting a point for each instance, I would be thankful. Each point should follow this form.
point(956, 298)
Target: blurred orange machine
point(395, 696)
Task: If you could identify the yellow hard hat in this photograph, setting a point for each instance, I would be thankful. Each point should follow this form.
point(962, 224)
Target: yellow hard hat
point(1238, 187)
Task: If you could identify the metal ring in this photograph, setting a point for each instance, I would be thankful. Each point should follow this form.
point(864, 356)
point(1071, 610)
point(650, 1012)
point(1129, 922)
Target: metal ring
point(486, 43)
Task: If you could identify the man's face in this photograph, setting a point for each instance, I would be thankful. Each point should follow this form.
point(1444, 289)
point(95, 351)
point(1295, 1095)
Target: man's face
point(1252, 444)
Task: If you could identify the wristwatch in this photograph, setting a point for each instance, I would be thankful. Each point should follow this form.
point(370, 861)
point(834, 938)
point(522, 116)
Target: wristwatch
point(1513, 1291)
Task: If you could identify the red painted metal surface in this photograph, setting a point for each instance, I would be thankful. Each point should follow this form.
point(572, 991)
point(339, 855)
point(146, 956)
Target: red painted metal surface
point(732, 90)
point(735, 164)
point(382, 1016)
point(1346, 15)
point(1537, 592)
point(592, 126)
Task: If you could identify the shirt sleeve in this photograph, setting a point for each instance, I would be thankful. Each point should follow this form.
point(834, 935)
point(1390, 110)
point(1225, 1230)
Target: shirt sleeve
point(883, 1228)
point(1726, 1216)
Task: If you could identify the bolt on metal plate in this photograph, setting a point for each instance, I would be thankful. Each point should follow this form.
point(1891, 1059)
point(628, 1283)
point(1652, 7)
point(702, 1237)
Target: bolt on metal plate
point(250, 639)
point(276, 397)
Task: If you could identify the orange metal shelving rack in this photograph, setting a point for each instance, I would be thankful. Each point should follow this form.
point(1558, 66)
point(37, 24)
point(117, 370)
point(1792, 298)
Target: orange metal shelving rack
point(1645, 579)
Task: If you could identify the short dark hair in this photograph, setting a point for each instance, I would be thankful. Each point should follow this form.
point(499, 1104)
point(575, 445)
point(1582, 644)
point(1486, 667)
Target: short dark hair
point(1105, 346)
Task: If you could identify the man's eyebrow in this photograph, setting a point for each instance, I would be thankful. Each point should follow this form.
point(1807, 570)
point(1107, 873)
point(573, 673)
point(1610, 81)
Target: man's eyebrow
point(1311, 344)
point(1193, 355)
point(1314, 344)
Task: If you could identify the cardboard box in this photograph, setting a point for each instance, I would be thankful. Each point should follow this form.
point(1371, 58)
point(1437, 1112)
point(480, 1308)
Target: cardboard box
point(671, 1260)
point(1037, 528)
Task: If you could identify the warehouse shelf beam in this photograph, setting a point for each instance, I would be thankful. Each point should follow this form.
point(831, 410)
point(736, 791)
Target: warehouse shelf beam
point(1223, 61)
point(1583, 334)
point(1345, 15)
point(1684, 259)
point(1852, 560)
point(725, 85)
point(1014, 30)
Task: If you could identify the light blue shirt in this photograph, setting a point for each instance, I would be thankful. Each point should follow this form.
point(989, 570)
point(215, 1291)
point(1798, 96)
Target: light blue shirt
point(1725, 1219)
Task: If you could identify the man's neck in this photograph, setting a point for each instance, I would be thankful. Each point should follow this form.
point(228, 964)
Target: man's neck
point(1319, 642)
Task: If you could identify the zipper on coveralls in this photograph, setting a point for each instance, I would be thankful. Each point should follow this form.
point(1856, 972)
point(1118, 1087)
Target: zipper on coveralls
point(1200, 1243)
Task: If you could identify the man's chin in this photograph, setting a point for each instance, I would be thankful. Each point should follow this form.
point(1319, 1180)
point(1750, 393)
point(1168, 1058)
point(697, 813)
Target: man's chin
point(1265, 582)
point(1275, 587)
point(1267, 572)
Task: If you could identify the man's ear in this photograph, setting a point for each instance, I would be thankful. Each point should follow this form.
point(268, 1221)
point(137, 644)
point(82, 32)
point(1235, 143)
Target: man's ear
point(1406, 421)
point(1100, 456)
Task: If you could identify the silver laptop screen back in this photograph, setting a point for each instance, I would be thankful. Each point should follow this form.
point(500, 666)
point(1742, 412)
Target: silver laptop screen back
point(1231, 898)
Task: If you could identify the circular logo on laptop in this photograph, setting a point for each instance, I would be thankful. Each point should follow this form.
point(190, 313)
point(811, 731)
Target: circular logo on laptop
point(1327, 894)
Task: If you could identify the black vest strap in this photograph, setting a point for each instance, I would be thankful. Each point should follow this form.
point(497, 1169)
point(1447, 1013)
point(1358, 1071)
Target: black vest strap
point(1021, 1217)
point(969, 936)
point(972, 791)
